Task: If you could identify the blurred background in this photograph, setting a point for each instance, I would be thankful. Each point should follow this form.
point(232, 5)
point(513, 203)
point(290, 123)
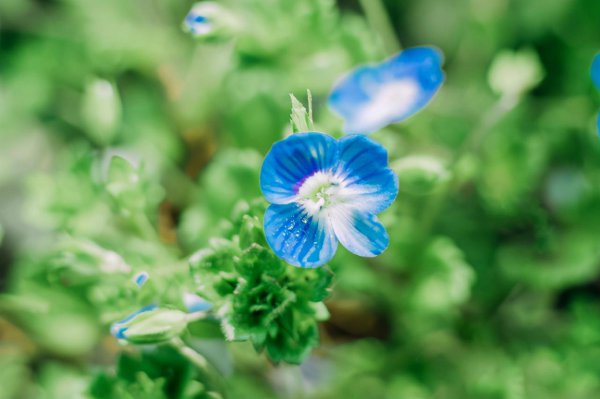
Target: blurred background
point(490, 287)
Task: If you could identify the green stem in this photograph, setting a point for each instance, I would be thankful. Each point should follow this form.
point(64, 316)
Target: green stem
point(194, 357)
point(200, 362)
point(380, 22)
point(471, 144)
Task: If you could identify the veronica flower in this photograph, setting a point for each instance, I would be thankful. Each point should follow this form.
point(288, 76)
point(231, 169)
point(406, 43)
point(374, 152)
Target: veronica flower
point(322, 191)
point(371, 97)
point(596, 80)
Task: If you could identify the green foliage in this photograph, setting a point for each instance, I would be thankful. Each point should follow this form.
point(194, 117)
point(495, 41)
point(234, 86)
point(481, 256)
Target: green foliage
point(159, 374)
point(128, 145)
point(259, 296)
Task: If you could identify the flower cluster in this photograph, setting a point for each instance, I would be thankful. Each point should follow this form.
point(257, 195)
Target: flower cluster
point(325, 191)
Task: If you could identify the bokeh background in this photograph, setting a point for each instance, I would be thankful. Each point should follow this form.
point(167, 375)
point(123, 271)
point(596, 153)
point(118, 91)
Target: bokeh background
point(491, 285)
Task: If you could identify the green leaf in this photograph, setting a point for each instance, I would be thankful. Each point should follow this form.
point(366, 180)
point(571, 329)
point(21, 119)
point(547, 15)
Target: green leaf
point(301, 119)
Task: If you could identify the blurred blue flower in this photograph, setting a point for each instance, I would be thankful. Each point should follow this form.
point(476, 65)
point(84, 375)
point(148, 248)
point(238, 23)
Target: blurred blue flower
point(323, 191)
point(194, 303)
point(197, 21)
point(210, 20)
point(118, 328)
point(372, 97)
point(596, 80)
point(140, 278)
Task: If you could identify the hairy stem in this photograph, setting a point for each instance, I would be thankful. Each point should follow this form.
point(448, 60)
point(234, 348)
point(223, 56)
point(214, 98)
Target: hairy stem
point(380, 22)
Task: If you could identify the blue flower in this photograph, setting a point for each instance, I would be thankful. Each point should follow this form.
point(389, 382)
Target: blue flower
point(322, 191)
point(209, 19)
point(118, 328)
point(372, 97)
point(197, 21)
point(596, 80)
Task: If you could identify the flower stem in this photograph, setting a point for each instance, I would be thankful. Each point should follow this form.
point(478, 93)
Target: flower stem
point(200, 362)
point(380, 23)
point(471, 144)
point(194, 357)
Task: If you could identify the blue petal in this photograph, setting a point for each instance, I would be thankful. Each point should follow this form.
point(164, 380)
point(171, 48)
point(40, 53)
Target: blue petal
point(117, 329)
point(297, 238)
point(140, 278)
point(194, 303)
point(363, 166)
point(596, 71)
point(370, 98)
point(361, 233)
point(293, 160)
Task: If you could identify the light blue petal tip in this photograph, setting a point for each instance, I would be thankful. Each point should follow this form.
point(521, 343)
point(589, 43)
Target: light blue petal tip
point(361, 233)
point(298, 238)
point(595, 71)
point(195, 303)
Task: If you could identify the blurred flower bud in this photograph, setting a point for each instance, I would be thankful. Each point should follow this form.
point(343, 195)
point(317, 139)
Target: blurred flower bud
point(209, 20)
point(150, 325)
point(194, 303)
point(101, 111)
point(140, 278)
point(514, 73)
point(420, 174)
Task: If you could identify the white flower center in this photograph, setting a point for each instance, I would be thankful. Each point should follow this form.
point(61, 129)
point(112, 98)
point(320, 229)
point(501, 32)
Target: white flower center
point(320, 191)
point(391, 101)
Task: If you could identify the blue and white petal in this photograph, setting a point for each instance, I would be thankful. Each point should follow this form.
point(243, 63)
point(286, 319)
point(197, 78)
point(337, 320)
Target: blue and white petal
point(193, 303)
point(117, 329)
point(140, 278)
point(596, 71)
point(298, 238)
point(363, 169)
point(197, 21)
point(291, 161)
point(361, 233)
point(370, 98)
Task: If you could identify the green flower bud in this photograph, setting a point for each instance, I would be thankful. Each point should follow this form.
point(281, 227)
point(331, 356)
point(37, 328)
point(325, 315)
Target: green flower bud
point(101, 111)
point(420, 174)
point(150, 325)
point(514, 73)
